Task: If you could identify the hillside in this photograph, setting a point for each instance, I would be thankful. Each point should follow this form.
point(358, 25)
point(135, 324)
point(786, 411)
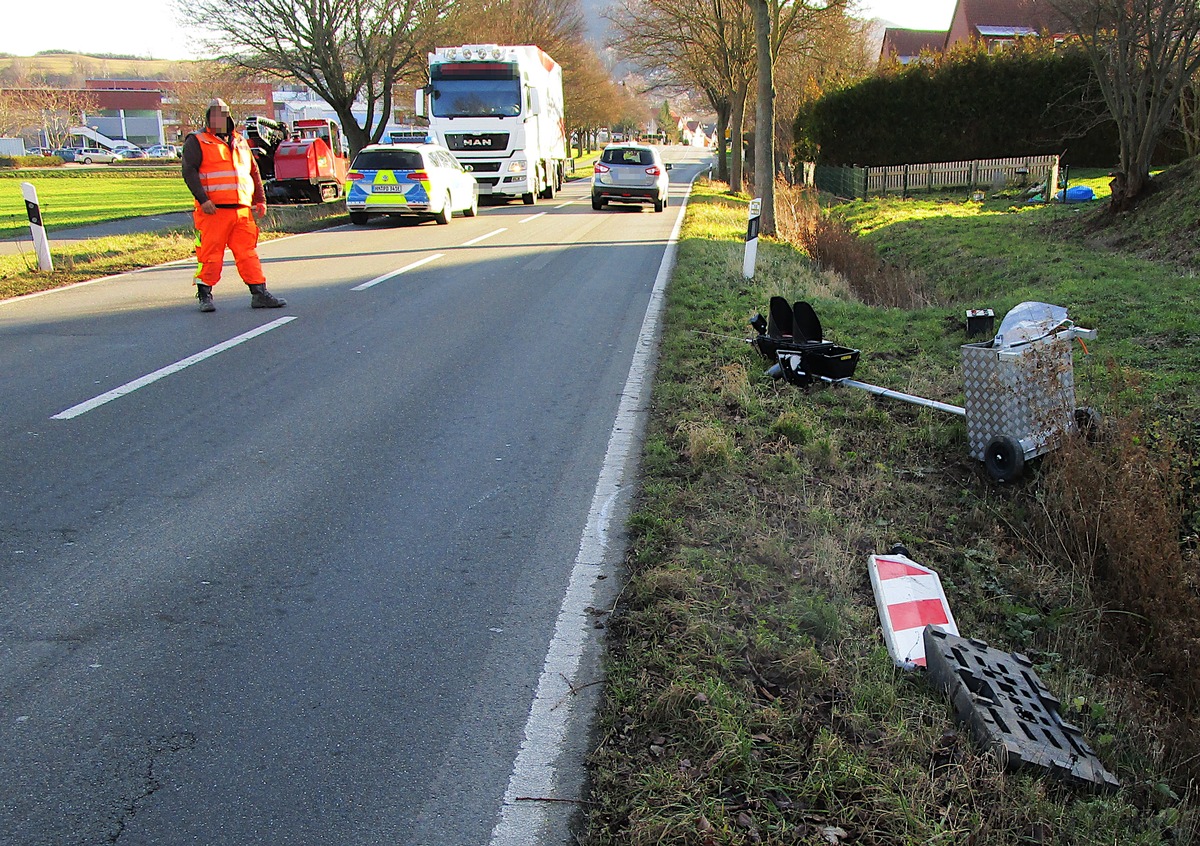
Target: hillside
point(71, 69)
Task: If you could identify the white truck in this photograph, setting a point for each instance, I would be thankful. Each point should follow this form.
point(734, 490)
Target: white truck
point(499, 109)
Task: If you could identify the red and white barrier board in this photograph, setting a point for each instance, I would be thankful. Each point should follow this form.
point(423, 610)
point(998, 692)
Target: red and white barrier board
point(909, 597)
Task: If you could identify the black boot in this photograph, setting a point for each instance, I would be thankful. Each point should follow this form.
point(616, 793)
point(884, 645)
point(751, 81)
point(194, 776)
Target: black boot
point(260, 297)
point(204, 295)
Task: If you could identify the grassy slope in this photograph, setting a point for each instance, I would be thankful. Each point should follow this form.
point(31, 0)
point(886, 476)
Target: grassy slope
point(750, 698)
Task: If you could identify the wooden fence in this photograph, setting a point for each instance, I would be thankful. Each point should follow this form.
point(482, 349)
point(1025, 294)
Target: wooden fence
point(993, 174)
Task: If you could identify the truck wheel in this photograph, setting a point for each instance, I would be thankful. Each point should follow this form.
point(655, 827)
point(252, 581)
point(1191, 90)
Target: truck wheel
point(443, 217)
point(359, 218)
point(1004, 458)
point(529, 199)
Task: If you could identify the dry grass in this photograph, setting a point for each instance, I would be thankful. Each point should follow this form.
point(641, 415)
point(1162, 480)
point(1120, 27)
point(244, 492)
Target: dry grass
point(834, 246)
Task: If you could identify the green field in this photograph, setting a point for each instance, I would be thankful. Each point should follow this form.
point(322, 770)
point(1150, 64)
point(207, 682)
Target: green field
point(89, 197)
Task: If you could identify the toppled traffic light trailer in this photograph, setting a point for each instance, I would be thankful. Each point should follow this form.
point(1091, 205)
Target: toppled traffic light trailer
point(1019, 387)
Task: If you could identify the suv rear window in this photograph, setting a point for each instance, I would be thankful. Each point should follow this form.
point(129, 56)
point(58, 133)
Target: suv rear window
point(387, 160)
point(627, 156)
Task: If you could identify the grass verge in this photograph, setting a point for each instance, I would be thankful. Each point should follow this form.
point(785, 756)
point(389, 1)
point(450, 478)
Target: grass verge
point(749, 697)
point(121, 253)
point(69, 201)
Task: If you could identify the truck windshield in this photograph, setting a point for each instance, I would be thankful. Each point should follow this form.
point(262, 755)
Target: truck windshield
point(476, 97)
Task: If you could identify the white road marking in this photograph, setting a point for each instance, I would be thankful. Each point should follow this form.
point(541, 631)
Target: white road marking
point(485, 237)
point(371, 283)
point(162, 372)
point(534, 217)
point(524, 823)
point(563, 206)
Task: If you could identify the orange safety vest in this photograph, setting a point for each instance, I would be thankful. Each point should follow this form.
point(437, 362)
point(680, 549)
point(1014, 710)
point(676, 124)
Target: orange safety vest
point(225, 172)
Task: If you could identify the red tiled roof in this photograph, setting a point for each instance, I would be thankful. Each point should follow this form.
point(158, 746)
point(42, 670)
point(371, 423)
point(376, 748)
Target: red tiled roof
point(911, 42)
point(1034, 14)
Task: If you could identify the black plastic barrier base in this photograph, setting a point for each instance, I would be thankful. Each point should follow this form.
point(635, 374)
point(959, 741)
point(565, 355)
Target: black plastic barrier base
point(1001, 698)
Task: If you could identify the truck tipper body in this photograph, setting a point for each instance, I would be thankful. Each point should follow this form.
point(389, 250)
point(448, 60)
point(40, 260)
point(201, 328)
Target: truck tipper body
point(499, 109)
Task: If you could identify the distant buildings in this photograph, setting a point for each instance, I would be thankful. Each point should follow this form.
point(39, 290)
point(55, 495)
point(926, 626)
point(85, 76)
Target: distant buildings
point(994, 23)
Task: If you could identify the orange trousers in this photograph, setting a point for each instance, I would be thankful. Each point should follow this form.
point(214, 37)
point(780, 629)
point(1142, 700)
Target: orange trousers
point(232, 228)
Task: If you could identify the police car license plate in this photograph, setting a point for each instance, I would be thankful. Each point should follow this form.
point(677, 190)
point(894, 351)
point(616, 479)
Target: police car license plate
point(387, 189)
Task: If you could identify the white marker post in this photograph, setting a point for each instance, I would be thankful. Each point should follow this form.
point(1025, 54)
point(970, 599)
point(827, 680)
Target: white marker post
point(40, 243)
point(752, 238)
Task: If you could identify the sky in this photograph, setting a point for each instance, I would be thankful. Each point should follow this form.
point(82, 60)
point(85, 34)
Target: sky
point(147, 28)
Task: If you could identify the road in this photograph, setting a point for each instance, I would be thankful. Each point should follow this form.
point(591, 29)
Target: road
point(312, 575)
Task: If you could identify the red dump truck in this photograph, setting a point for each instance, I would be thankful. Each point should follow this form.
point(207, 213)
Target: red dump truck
point(301, 163)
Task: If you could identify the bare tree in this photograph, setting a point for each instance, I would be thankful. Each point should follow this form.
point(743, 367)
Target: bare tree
point(701, 45)
point(775, 21)
point(43, 111)
point(1145, 53)
point(192, 88)
point(344, 50)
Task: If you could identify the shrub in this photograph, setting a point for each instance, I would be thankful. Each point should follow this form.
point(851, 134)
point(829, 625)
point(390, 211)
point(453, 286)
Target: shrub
point(30, 161)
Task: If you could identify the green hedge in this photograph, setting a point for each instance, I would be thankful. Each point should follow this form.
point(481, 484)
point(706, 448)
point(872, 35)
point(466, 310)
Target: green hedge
point(965, 105)
point(30, 161)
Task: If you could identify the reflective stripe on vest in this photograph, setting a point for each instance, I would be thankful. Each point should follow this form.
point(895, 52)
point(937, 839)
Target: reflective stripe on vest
point(225, 173)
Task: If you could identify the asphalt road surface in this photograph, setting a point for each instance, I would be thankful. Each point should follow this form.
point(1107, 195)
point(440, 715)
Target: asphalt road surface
point(303, 576)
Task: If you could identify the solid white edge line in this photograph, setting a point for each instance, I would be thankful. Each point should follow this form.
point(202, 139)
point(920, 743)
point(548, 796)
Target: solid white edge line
point(371, 283)
point(534, 217)
point(483, 237)
point(524, 823)
point(162, 372)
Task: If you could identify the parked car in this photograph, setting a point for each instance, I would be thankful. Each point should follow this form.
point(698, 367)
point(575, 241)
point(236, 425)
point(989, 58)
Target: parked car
point(409, 179)
point(67, 154)
point(38, 151)
point(133, 153)
point(92, 155)
point(630, 173)
point(163, 151)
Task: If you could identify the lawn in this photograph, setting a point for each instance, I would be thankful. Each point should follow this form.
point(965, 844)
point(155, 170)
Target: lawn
point(749, 698)
point(89, 197)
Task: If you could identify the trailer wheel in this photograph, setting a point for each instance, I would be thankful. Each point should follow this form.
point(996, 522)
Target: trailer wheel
point(359, 218)
point(1089, 423)
point(1004, 458)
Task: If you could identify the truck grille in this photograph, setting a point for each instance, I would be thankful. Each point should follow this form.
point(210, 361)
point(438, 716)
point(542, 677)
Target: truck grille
point(464, 142)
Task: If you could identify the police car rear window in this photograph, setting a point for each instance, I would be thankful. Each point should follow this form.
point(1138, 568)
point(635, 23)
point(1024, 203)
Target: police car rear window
point(387, 160)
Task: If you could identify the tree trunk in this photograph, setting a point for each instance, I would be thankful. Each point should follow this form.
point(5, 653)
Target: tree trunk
point(764, 120)
point(737, 123)
point(356, 136)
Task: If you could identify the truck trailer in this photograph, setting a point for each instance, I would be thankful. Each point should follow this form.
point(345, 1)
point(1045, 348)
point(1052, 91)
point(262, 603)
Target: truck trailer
point(500, 110)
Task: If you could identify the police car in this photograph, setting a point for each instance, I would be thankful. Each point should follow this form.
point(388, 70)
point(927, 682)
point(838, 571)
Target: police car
point(409, 179)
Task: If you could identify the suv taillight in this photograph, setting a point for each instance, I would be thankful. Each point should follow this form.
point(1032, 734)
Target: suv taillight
point(353, 175)
point(602, 168)
point(653, 171)
point(418, 176)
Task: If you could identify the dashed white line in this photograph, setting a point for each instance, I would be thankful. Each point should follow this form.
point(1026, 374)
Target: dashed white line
point(485, 237)
point(162, 372)
point(534, 217)
point(371, 283)
point(563, 206)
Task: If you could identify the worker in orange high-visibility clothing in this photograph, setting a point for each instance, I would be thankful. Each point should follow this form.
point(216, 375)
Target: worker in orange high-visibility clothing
point(223, 177)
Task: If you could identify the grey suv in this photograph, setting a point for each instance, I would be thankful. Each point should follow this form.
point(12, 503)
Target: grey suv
point(630, 173)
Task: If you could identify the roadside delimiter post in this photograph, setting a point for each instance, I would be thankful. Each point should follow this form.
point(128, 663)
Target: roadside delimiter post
point(752, 238)
point(40, 243)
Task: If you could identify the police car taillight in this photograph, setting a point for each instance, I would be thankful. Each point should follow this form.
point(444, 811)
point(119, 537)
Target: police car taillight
point(354, 174)
point(418, 176)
